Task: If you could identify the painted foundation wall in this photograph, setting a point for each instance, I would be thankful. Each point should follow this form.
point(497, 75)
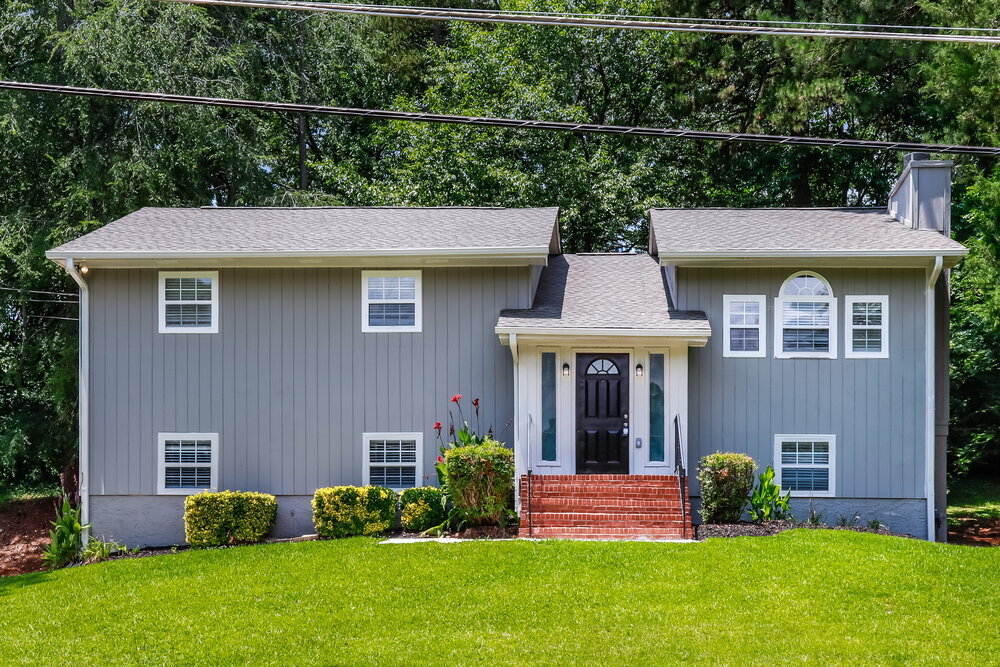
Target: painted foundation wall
point(874, 407)
point(289, 383)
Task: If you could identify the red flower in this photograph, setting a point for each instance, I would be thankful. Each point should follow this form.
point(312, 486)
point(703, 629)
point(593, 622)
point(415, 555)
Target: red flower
point(440, 459)
point(437, 426)
point(456, 398)
point(475, 402)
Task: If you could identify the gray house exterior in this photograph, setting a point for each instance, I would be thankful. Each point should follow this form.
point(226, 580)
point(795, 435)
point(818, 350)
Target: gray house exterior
point(283, 350)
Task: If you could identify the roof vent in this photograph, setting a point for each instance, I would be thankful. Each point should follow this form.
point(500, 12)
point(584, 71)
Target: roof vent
point(921, 198)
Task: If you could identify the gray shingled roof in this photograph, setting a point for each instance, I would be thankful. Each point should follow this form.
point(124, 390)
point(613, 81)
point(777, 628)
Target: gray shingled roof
point(811, 231)
point(243, 231)
point(612, 291)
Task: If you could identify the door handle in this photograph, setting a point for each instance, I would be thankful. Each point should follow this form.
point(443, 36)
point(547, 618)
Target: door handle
point(638, 443)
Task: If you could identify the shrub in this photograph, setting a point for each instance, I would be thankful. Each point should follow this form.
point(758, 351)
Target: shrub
point(767, 503)
point(421, 508)
point(726, 480)
point(345, 511)
point(479, 483)
point(65, 538)
point(228, 517)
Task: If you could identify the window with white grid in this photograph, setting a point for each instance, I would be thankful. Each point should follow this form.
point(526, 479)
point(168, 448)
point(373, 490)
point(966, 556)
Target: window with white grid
point(804, 464)
point(805, 318)
point(188, 462)
point(390, 301)
point(743, 325)
point(189, 301)
point(867, 327)
point(394, 460)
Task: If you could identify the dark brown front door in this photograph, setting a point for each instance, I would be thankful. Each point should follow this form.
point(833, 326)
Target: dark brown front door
point(602, 413)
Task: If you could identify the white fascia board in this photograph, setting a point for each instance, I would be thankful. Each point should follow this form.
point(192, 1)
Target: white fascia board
point(604, 333)
point(352, 252)
point(899, 258)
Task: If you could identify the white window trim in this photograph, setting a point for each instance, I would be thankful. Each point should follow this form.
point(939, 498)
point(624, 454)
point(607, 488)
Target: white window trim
point(761, 326)
point(849, 326)
point(831, 466)
point(417, 301)
point(367, 438)
point(162, 300)
point(161, 470)
point(780, 301)
point(558, 461)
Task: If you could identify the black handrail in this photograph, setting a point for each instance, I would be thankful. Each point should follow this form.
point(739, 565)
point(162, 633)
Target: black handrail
point(681, 473)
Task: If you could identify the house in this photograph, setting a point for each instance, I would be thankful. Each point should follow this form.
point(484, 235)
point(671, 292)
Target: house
point(286, 349)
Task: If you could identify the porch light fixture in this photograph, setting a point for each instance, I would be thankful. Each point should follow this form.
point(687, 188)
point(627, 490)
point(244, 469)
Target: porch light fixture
point(566, 370)
point(84, 270)
point(638, 370)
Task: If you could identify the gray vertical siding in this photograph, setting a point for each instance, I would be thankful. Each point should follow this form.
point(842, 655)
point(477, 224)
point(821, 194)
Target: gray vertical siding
point(290, 382)
point(875, 407)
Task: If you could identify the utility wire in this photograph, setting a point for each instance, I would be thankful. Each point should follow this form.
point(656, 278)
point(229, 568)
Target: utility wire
point(668, 24)
point(35, 291)
point(478, 121)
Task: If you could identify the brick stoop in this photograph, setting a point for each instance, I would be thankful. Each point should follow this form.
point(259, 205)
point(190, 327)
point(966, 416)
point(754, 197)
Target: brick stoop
point(609, 507)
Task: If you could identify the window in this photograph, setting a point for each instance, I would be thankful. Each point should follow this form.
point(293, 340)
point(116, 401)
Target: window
point(394, 460)
point(805, 318)
point(657, 406)
point(743, 324)
point(602, 367)
point(189, 302)
point(188, 462)
point(867, 327)
point(391, 301)
point(804, 464)
point(549, 406)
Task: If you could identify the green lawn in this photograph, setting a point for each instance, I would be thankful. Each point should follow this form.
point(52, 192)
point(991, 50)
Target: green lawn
point(975, 499)
point(819, 596)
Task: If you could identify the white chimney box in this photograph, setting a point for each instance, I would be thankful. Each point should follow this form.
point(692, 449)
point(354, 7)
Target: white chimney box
point(921, 198)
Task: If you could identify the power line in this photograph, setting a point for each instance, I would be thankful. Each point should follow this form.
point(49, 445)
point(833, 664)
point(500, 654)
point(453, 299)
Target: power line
point(35, 291)
point(478, 121)
point(667, 24)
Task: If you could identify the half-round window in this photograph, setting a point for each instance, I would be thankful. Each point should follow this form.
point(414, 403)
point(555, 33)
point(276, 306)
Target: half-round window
point(602, 367)
point(806, 284)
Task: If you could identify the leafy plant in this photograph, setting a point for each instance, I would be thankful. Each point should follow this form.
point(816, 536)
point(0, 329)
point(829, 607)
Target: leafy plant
point(849, 522)
point(346, 511)
point(99, 550)
point(767, 503)
point(228, 517)
point(815, 518)
point(66, 537)
point(875, 524)
point(421, 508)
point(726, 480)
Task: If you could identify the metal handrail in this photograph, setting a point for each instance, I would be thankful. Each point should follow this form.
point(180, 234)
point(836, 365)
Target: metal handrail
point(681, 473)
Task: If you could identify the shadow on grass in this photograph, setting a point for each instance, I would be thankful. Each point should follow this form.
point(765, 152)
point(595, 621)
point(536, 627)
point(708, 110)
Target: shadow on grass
point(11, 584)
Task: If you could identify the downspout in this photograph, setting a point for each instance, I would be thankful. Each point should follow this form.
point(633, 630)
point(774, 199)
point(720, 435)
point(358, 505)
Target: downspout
point(84, 395)
point(930, 383)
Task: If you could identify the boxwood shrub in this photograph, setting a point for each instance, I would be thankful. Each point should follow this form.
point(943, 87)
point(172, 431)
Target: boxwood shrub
point(480, 482)
point(228, 517)
point(726, 480)
point(421, 508)
point(345, 511)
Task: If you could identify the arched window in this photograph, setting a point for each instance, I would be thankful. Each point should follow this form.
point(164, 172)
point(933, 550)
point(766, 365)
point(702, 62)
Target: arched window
point(805, 318)
point(602, 367)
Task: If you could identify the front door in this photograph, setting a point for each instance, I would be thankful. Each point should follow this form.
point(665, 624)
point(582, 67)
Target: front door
point(602, 413)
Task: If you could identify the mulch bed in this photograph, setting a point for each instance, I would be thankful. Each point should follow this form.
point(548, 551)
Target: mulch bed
point(977, 533)
point(747, 529)
point(24, 533)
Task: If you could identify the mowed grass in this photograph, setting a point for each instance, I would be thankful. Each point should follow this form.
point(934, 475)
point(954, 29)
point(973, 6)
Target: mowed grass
point(976, 498)
point(805, 595)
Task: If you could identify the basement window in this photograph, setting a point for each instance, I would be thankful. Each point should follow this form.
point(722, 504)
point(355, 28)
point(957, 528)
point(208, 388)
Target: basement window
point(804, 464)
point(188, 462)
point(393, 460)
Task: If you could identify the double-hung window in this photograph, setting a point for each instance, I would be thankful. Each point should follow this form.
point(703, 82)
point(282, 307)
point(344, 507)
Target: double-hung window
point(187, 462)
point(805, 318)
point(189, 301)
point(867, 327)
point(393, 460)
point(390, 301)
point(743, 326)
point(804, 464)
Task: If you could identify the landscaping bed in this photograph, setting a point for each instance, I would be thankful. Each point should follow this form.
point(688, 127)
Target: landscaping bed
point(748, 529)
point(24, 532)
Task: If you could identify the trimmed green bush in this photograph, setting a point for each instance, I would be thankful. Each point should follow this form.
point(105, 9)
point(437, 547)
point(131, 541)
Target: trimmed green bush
point(479, 480)
point(346, 511)
point(726, 480)
point(228, 517)
point(421, 508)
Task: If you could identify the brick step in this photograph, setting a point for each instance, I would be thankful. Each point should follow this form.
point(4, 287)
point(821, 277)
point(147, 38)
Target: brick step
point(602, 478)
point(601, 521)
point(604, 533)
point(604, 505)
point(603, 488)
